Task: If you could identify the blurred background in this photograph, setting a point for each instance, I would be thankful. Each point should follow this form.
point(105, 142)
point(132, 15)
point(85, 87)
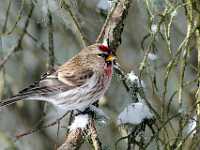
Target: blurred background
point(159, 44)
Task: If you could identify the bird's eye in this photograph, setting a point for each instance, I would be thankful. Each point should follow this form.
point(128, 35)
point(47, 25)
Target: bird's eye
point(103, 55)
point(109, 63)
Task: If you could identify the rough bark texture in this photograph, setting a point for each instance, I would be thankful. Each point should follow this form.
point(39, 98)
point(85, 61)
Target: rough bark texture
point(115, 25)
point(111, 31)
point(94, 136)
point(73, 140)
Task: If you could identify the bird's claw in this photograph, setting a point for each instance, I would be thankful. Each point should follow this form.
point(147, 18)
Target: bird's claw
point(95, 112)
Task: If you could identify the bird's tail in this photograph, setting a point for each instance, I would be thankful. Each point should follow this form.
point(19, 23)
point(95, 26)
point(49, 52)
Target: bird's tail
point(11, 100)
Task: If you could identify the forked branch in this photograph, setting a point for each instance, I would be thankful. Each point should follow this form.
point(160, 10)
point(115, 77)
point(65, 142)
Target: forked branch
point(111, 32)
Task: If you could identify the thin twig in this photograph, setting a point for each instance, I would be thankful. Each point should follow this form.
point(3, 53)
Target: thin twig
point(51, 42)
point(19, 16)
point(6, 18)
point(1, 47)
point(71, 117)
point(182, 70)
point(113, 30)
point(94, 136)
point(102, 32)
point(77, 25)
point(41, 45)
point(19, 41)
point(40, 128)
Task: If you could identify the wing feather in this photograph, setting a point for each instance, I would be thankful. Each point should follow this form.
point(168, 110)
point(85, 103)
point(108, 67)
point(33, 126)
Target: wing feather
point(52, 83)
point(58, 82)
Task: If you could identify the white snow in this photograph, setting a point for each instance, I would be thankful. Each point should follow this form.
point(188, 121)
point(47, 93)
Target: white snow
point(99, 112)
point(106, 4)
point(103, 4)
point(152, 56)
point(133, 78)
point(174, 13)
point(154, 28)
point(105, 42)
point(80, 121)
point(134, 114)
point(192, 124)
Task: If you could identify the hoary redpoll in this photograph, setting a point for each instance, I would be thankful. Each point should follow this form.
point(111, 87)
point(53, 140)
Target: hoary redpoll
point(74, 85)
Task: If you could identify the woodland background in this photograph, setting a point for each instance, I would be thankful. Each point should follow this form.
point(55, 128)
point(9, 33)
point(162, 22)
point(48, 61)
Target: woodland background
point(160, 43)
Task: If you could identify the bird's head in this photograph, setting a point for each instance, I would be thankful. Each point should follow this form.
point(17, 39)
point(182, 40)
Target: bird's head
point(98, 54)
point(103, 51)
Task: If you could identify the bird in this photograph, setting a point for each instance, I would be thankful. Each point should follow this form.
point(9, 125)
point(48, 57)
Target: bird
point(75, 85)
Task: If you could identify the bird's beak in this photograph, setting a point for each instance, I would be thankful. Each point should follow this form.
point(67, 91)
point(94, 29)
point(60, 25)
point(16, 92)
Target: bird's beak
point(111, 57)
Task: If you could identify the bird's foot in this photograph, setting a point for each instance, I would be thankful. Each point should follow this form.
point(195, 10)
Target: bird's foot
point(96, 113)
point(99, 112)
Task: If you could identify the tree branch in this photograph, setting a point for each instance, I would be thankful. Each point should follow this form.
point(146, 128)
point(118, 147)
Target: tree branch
point(111, 32)
point(73, 141)
point(114, 29)
point(94, 136)
point(17, 46)
point(51, 42)
point(76, 23)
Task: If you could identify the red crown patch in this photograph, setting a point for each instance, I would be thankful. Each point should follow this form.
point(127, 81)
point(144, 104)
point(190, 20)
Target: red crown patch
point(103, 48)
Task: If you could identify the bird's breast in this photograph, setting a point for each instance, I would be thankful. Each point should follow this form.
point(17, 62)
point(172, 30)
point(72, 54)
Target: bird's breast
point(108, 70)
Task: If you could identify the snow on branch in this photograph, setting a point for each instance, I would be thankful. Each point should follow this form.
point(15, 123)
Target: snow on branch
point(132, 77)
point(111, 32)
point(134, 114)
point(190, 128)
point(114, 24)
point(103, 5)
point(80, 121)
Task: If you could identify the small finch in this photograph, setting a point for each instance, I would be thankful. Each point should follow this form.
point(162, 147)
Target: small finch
point(76, 84)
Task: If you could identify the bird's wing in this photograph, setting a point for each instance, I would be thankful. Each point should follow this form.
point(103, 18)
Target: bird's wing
point(53, 83)
point(58, 82)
